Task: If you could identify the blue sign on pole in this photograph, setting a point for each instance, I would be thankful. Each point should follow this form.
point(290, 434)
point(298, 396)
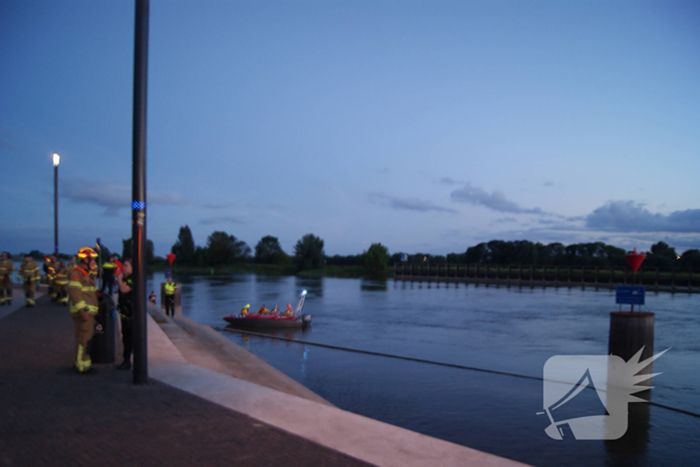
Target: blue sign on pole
point(404, 257)
point(629, 295)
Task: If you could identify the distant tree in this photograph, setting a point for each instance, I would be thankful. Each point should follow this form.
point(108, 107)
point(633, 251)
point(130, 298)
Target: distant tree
point(36, 254)
point(690, 259)
point(340, 260)
point(184, 247)
point(308, 252)
point(269, 251)
point(223, 248)
point(200, 256)
point(662, 249)
point(456, 258)
point(477, 254)
point(662, 256)
point(126, 249)
point(375, 260)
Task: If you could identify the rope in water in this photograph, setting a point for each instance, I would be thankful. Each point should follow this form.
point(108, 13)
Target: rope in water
point(420, 360)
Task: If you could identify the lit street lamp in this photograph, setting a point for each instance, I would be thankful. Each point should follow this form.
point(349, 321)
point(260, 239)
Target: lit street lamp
point(56, 158)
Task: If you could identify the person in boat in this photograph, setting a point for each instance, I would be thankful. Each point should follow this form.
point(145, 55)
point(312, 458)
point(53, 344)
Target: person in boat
point(263, 310)
point(244, 311)
point(152, 297)
point(289, 311)
point(275, 310)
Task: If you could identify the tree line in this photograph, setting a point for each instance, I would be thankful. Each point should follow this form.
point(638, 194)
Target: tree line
point(223, 249)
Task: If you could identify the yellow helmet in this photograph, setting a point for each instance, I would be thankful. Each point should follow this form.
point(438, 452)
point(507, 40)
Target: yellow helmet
point(247, 306)
point(86, 251)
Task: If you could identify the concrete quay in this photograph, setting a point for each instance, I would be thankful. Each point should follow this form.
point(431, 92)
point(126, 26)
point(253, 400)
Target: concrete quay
point(208, 402)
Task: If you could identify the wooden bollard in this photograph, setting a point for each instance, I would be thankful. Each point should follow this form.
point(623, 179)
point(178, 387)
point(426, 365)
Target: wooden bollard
point(629, 332)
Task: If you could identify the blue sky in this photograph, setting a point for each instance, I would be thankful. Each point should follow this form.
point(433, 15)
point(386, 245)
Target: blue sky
point(427, 126)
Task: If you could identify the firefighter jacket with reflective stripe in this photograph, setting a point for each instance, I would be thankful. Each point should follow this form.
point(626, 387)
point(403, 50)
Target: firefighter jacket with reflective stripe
point(170, 288)
point(29, 271)
point(6, 268)
point(82, 291)
point(51, 269)
point(61, 275)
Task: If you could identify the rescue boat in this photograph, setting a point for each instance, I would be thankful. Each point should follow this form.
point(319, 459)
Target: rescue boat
point(297, 320)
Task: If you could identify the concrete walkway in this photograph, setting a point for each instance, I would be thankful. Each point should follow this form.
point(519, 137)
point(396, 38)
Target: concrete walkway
point(190, 414)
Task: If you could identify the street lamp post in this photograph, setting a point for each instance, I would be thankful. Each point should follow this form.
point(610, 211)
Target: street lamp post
point(56, 159)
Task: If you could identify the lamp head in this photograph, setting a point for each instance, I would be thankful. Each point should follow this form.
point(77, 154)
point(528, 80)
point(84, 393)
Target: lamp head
point(56, 159)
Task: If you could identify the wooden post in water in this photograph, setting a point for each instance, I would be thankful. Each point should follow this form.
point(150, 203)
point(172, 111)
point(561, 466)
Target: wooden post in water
point(520, 274)
point(597, 273)
point(656, 280)
point(673, 280)
point(690, 280)
point(629, 332)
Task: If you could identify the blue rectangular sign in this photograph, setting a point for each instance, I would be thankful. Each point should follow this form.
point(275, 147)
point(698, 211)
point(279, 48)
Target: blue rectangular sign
point(629, 295)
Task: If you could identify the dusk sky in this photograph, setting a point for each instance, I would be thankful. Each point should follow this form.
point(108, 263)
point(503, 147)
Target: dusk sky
point(428, 126)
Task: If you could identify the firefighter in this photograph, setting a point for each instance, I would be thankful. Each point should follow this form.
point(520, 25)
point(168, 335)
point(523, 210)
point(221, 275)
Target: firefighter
point(245, 310)
point(29, 275)
point(289, 311)
point(50, 265)
point(61, 283)
point(6, 268)
point(83, 306)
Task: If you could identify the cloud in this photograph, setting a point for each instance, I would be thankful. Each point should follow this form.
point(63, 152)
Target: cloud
point(628, 216)
point(383, 171)
point(503, 220)
point(112, 196)
point(222, 220)
point(495, 201)
point(548, 184)
point(410, 204)
point(214, 205)
point(449, 181)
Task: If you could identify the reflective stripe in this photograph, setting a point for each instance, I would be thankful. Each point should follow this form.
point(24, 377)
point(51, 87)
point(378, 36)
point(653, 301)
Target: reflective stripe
point(92, 309)
point(80, 364)
point(74, 284)
point(74, 307)
point(89, 288)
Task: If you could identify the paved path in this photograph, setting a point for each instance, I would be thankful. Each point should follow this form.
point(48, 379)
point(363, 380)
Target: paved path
point(50, 415)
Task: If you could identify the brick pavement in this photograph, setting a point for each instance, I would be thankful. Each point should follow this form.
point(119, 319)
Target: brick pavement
point(50, 415)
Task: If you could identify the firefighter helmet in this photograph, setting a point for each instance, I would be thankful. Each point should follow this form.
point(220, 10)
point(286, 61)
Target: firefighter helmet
point(85, 252)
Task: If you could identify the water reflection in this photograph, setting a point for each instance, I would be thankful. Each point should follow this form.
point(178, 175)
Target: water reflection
point(506, 329)
point(632, 447)
point(313, 286)
point(373, 285)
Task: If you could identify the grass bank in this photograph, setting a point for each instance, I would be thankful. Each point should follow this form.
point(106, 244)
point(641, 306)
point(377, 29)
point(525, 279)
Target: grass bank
point(263, 269)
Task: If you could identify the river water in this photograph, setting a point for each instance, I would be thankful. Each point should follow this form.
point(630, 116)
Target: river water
point(511, 330)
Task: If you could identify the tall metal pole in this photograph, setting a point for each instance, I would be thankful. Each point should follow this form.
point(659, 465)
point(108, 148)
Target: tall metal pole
point(55, 208)
point(138, 231)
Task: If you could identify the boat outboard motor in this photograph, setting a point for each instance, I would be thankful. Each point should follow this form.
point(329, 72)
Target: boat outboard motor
point(305, 320)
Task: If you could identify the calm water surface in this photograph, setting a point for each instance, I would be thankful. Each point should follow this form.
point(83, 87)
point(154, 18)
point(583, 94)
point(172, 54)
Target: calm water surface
point(496, 328)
